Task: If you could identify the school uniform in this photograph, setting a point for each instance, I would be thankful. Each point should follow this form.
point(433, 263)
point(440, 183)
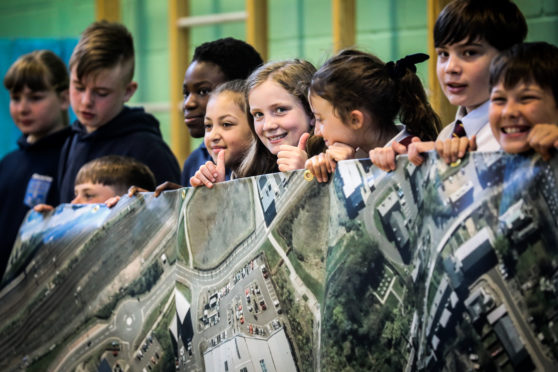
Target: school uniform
point(475, 123)
point(195, 160)
point(133, 133)
point(27, 178)
point(403, 137)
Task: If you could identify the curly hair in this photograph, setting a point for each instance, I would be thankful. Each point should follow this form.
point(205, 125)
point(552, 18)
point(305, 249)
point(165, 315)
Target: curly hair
point(236, 58)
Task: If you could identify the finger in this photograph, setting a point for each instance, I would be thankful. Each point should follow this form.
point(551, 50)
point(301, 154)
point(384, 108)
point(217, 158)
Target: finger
point(41, 208)
point(159, 189)
point(220, 168)
point(439, 146)
point(204, 180)
point(455, 145)
point(111, 202)
point(447, 150)
point(399, 148)
point(302, 141)
point(463, 146)
point(132, 191)
point(473, 143)
point(195, 181)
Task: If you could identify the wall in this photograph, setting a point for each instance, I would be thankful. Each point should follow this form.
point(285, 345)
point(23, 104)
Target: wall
point(297, 28)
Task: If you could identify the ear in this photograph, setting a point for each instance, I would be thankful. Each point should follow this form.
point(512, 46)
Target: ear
point(130, 90)
point(356, 119)
point(64, 98)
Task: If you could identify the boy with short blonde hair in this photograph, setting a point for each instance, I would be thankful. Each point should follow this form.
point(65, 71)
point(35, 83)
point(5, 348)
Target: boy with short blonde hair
point(101, 72)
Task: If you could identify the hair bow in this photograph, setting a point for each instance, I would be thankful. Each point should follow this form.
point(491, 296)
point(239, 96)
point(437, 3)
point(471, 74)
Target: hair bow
point(397, 69)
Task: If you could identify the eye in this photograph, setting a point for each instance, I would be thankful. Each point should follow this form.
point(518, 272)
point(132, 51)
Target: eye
point(37, 96)
point(79, 88)
point(204, 92)
point(227, 124)
point(103, 93)
point(257, 115)
point(470, 52)
point(208, 127)
point(281, 110)
point(497, 100)
point(442, 53)
point(15, 97)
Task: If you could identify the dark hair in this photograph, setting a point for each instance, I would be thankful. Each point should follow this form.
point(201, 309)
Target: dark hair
point(238, 89)
point(499, 22)
point(236, 58)
point(117, 171)
point(357, 80)
point(104, 45)
point(535, 62)
point(39, 71)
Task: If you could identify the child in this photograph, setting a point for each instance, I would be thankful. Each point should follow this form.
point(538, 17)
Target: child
point(277, 94)
point(356, 98)
point(101, 71)
point(227, 133)
point(38, 85)
point(214, 63)
point(468, 34)
point(110, 176)
point(524, 98)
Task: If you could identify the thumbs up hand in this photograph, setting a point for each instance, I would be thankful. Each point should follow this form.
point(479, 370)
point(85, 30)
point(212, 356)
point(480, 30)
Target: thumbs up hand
point(210, 173)
point(293, 157)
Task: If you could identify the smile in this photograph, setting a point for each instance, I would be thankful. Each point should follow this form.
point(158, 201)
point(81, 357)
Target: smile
point(515, 129)
point(276, 138)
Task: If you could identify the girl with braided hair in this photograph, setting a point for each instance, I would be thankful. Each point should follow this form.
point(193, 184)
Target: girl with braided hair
point(356, 99)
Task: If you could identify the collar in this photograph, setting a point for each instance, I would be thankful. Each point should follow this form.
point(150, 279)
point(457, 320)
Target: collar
point(475, 120)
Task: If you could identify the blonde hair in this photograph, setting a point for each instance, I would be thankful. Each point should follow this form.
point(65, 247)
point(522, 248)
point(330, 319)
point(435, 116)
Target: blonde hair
point(293, 75)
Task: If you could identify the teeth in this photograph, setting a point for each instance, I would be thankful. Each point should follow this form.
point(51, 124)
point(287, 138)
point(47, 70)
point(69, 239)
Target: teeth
point(275, 138)
point(511, 130)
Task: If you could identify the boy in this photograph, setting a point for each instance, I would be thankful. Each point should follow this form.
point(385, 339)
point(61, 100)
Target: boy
point(468, 34)
point(110, 176)
point(105, 179)
point(101, 71)
point(214, 63)
point(524, 98)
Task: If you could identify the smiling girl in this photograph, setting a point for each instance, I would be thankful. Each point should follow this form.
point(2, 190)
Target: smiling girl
point(227, 133)
point(283, 120)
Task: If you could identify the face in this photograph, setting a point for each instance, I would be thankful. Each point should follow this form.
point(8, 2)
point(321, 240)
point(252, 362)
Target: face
point(328, 124)
point(227, 128)
point(98, 98)
point(513, 112)
point(91, 193)
point(279, 117)
point(199, 80)
point(463, 72)
point(38, 113)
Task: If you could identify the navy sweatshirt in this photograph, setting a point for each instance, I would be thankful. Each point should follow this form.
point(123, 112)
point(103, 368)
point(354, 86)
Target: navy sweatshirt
point(133, 133)
point(21, 190)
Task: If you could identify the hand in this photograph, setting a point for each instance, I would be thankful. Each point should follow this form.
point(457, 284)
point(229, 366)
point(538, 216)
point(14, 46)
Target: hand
point(111, 202)
point(293, 157)
point(210, 173)
point(43, 208)
point(543, 138)
point(339, 151)
point(416, 148)
point(133, 190)
point(452, 149)
point(384, 157)
point(167, 185)
point(319, 166)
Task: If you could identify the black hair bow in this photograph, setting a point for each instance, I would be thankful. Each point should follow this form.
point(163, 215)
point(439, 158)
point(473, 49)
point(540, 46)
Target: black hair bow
point(397, 69)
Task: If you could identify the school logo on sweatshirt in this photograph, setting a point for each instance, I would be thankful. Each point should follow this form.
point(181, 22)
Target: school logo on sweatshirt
point(37, 190)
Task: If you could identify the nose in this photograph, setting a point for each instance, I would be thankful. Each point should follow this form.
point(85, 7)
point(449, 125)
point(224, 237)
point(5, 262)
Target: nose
point(269, 124)
point(189, 102)
point(87, 97)
point(77, 200)
point(453, 65)
point(510, 109)
point(24, 106)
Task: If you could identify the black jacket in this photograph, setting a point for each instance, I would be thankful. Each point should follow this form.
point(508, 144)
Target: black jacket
point(133, 133)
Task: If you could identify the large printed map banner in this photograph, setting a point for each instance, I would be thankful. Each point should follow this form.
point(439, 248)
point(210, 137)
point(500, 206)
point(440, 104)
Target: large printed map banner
point(437, 267)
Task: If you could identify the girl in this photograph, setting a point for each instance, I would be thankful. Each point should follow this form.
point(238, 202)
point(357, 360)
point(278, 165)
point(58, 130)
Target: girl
point(38, 86)
point(277, 93)
point(227, 133)
point(356, 98)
